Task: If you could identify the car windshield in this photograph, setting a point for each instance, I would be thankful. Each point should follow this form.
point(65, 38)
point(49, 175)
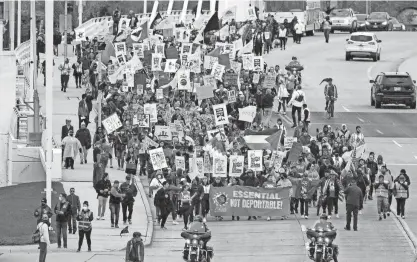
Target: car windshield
point(395, 21)
point(378, 16)
point(361, 38)
point(340, 13)
point(361, 17)
point(398, 80)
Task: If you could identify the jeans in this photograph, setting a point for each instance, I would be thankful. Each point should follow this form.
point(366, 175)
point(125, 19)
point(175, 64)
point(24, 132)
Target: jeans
point(299, 36)
point(114, 213)
point(125, 207)
point(69, 162)
point(282, 42)
point(64, 82)
point(327, 34)
point(61, 228)
point(304, 206)
point(43, 250)
point(282, 104)
point(294, 205)
point(266, 117)
point(164, 216)
point(205, 205)
point(349, 210)
point(196, 207)
point(158, 213)
point(382, 205)
point(293, 111)
point(84, 154)
point(332, 202)
point(401, 206)
point(72, 221)
point(102, 202)
point(371, 186)
point(87, 234)
point(97, 173)
point(77, 80)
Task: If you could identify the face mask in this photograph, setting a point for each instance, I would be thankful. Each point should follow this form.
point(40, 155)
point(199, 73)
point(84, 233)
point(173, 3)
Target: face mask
point(60, 198)
point(85, 208)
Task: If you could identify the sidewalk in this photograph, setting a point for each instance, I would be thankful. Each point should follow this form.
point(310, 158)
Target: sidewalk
point(103, 237)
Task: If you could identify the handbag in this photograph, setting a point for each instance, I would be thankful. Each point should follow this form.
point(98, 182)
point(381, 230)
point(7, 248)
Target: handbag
point(36, 236)
point(131, 168)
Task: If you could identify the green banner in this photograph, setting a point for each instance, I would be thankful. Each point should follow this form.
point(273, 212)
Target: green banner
point(249, 201)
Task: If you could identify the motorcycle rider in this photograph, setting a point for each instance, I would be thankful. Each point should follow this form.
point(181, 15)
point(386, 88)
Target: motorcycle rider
point(324, 224)
point(330, 90)
point(197, 227)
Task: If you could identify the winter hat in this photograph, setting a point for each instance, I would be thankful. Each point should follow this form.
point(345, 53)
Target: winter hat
point(85, 203)
point(43, 200)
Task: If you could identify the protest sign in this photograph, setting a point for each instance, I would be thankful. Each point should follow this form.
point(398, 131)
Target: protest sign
point(220, 114)
point(209, 61)
point(204, 92)
point(220, 166)
point(159, 93)
point(138, 49)
point(112, 123)
point(258, 63)
point(255, 158)
point(255, 79)
point(231, 96)
point(218, 71)
point(278, 159)
point(160, 50)
point(230, 78)
point(157, 157)
point(180, 162)
point(247, 114)
point(163, 133)
point(156, 62)
point(183, 77)
point(289, 141)
point(212, 133)
point(120, 48)
point(143, 120)
point(249, 201)
point(236, 66)
point(200, 167)
point(247, 60)
point(210, 81)
point(236, 165)
point(208, 167)
point(150, 109)
point(121, 59)
point(170, 66)
point(186, 48)
point(269, 81)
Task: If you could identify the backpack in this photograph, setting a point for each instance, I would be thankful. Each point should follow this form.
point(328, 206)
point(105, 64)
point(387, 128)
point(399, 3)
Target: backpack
point(300, 97)
point(36, 236)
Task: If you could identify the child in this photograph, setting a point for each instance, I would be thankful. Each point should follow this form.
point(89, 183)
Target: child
point(381, 192)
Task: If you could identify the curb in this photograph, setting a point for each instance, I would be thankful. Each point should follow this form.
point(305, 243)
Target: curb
point(404, 226)
point(403, 60)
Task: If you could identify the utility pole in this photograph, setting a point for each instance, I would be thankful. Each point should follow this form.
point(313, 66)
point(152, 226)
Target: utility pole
point(100, 92)
point(65, 29)
point(19, 21)
point(11, 23)
point(49, 56)
point(34, 68)
point(80, 12)
point(145, 6)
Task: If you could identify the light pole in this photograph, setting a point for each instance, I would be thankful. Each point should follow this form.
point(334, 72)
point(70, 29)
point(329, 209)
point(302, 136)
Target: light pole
point(19, 21)
point(100, 93)
point(65, 29)
point(34, 67)
point(80, 12)
point(12, 23)
point(49, 56)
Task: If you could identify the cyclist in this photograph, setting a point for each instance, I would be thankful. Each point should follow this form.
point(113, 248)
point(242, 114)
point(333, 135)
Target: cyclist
point(330, 91)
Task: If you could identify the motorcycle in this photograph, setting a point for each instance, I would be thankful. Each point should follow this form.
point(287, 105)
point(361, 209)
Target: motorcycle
point(194, 249)
point(322, 243)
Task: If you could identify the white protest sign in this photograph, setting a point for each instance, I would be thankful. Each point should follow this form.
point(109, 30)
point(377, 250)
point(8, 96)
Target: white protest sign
point(220, 166)
point(255, 160)
point(218, 71)
point(163, 133)
point(247, 114)
point(236, 165)
point(112, 123)
point(180, 162)
point(150, 109)
point(220, 114)
point(157, 157)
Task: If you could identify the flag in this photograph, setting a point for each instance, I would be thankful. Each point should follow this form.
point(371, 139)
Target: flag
point(275, 139)
point(216, 146)
point(246, 49)
point(135, 34)
point(215, 52)
point(257, 140)
point(144, 33)
point(199, 37)
point(213, 23)
point(229, 14)
point(156, 20)
point(352, 157)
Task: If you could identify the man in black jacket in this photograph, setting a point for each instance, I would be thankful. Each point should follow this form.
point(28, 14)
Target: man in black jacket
point(102, 188)
point(354, 198)
point(62, 209)
point(373, 166)
point(249, 179)
point(129, 189)
point(75, 204)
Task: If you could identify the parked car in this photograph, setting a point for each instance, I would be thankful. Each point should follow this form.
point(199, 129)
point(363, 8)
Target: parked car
point(397, 26)
point(393, 88)
point(364, 45)
point(362, 21)
point(379, 21)
point(343, 20)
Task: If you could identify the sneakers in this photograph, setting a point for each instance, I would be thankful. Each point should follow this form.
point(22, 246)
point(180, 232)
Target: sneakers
point(388, 213)
point(268, 218)
point(130, 222)
point(116, 226)
point(380, 217)
point(306, 217)
point(360, 212)
point(163, 228)
point(78, 250)
point(112, 225)
point(102, 217)
point(124, 223)
point(205, 220)
point(337, 215)
point(385, 216)
point(175, 222)
point(403, 217)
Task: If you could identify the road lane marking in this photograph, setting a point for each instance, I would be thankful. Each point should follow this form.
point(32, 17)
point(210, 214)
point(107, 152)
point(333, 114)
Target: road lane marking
point(379, 132)
point(346, 109)
point(415, 157)
point(360, 119)
point(395, 142)
point(369, 72)
point(401, 164)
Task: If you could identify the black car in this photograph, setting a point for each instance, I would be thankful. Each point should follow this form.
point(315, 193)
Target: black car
point(362, 21)
point(378, 21)
point(393, 88)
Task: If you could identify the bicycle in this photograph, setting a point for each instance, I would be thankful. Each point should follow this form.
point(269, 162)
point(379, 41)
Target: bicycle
point(330, 107)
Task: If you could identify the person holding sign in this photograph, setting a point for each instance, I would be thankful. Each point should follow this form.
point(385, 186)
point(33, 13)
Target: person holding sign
point(297, 101)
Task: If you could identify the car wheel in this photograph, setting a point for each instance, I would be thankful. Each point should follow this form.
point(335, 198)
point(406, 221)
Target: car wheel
point(413, 105)
point(379, 56)
point(375, 57)
point(313, 32)
point(347, 57)
point(378, 104)
point(372, 100)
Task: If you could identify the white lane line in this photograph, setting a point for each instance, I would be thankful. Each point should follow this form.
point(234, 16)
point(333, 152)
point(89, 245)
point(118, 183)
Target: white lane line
point(395, 142)
point(415, 157)
point(369, 72)
point(346, 109)
point(401, 164)
point(379, 132)
point(360, 119)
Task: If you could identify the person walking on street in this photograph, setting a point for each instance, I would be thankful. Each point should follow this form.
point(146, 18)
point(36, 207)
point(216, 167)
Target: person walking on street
point(401, 193)
point(78, 72)
point(327, 26)
point(282, 35)
point(297, 101)
point(62, 209)
point(64, 133)
point(72, 147)
point(381, 192)
point(258, 44)
point(83, 112)
point(43, 209)
point(65, 72)
point(299, 30)
point(390, 180)
point(84, 136)
point(75, 204)
point(130, 191)
point(135, 249)
point(114, 202)
point(84, 217)
point(185, 208)
point(373, 167)
point(44, 242)
point(103, 188)
point(164, 203)
point(97, 169)
point(354, 198)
